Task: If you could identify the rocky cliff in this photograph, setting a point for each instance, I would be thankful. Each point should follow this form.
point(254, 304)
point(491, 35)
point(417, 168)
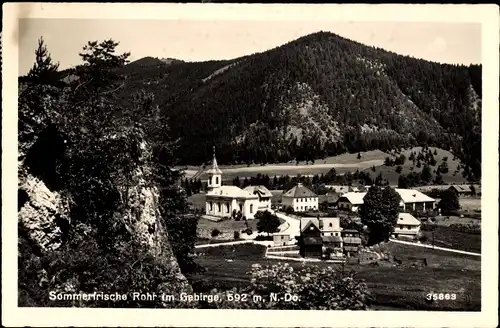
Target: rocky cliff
point(45, 225)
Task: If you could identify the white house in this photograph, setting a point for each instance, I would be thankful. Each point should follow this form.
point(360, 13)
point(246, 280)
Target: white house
point(300, 198)
point(351, 201)
point(220, 201)
point(264, 195)
point(410, 200)
point(415, 200)
point(406, 225)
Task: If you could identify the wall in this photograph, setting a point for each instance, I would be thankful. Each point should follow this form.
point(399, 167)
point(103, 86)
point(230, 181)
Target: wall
point(305, 204)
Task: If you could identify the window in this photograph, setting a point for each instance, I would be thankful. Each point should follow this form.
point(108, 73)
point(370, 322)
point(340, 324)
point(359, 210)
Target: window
point(251, 208)
point(282, 237)
point(332, 234)
point(216, 180)
point(409, 228)
point(211, 206)
point(241, 208)
point(218, 205)
point(227, 208)
point(330, 225)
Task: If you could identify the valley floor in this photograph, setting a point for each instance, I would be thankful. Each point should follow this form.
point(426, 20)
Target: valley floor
point(393, 286)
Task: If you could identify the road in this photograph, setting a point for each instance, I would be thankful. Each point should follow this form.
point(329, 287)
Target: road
point(293, 225)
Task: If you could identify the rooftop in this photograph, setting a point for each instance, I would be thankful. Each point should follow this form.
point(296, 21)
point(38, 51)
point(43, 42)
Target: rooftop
point(231, 192)
point(299, 191)
point(407, 219)
point(262, 191)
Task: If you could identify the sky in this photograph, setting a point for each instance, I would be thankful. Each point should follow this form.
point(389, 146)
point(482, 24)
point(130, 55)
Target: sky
point(196, 40)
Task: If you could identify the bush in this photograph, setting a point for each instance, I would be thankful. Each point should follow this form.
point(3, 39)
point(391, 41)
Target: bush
point(215, 232)
point(316, 287)
point(263, 238)
point(236, 235)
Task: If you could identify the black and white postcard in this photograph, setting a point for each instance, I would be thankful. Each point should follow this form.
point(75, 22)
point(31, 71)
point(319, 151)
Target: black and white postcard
point(250, 165)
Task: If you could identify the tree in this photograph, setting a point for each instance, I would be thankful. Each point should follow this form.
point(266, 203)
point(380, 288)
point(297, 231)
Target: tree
point(403, 182)
point(438, 179)
point(399, 169)
point(443, 168)
point(267, 222)
point(449, 202)
point(44, 71)
point(379, 213)
point(379, 180)
point(98, 71)
point(426, 174)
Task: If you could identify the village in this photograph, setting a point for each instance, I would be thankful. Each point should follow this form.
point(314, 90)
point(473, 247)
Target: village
point(310, 227)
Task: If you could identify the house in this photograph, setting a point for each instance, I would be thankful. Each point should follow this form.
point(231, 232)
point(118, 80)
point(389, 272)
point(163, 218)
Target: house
point(463, 190)
point(264, 195)
point(406, 226)
point(310, 241)
point(351, 201)
point(330, 198)
point(282, 239)
point(331, 237)
point(415, 200)
point(411, 200)
point(300, 198)
point(320, 237)
point(221, 201)
point(352, 241)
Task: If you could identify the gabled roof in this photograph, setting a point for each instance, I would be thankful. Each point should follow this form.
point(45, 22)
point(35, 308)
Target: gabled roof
point(305, 223)
point(231, 192)
point(413, 196)
point(407, 219)
point(355, 198)
point(462, 188)
point(299, 191)
point(262, 191)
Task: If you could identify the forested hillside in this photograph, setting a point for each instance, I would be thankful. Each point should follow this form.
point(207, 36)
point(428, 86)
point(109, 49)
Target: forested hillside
point(317, 96)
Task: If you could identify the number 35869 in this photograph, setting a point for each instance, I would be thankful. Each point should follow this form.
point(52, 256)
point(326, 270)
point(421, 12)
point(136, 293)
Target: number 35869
point(441, 296)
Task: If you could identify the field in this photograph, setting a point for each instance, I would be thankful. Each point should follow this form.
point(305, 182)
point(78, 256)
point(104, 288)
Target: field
point(471, 204)
point(446, 237)
point(342, 164)
point(402, 287)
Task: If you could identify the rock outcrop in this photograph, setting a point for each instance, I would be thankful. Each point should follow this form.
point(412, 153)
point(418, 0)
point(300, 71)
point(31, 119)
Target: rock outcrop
point(43, 213)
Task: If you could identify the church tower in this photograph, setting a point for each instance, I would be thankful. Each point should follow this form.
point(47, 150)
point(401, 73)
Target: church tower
point(214, 174)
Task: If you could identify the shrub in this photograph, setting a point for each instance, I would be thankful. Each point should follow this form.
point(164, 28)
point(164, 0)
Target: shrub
point(316, 287)
point(236, 235)
point(262, 238)
point(215, 232)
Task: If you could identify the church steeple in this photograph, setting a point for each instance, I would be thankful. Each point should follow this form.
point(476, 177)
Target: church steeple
point(214, 173)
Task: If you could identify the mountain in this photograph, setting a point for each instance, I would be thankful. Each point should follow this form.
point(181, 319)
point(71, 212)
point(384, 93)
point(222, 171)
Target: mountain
point(317, 96)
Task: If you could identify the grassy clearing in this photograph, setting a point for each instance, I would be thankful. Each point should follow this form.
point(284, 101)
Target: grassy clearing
point(472, 204)
point(392, 287)
point(226, 225)
point(445, 237)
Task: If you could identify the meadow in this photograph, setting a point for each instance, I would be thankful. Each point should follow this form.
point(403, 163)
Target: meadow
point(393, 287)
point(348, 162)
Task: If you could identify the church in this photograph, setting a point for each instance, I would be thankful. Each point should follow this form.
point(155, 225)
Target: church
point(221, 201)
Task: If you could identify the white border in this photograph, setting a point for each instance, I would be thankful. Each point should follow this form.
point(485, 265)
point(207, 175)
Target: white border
point(487, 15)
